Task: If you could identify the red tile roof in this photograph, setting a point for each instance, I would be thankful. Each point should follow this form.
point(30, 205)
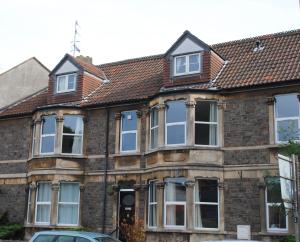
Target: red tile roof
point(141, 78)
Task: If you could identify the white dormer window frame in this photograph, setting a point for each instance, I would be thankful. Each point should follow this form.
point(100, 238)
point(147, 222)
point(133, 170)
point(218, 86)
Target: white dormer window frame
point(187, 67)
point(65, 80)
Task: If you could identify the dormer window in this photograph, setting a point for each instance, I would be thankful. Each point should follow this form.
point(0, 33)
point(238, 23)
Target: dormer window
point(65, 83)
point(187, 64)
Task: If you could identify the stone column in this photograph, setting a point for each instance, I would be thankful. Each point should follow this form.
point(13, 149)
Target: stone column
point(58, 137)
point(221, 106)
point(160, 205)
point(263, 222)
point(82, 187)
point(139, 115)
point(118, 128)
point(32, 190)
point(37, 137)
point(190, 122)
point(54, 204)
point(189, 204)
point(270, 102)
point(161, 125)
point(221, 187)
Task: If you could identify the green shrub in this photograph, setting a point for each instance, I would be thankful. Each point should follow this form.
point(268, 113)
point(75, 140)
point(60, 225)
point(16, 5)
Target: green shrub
point(11, 231)
point(289, 238)
point(4, 219)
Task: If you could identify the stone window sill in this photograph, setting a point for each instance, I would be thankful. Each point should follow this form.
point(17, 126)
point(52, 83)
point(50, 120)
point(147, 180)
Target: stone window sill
point(192, 147)
point(58, 156)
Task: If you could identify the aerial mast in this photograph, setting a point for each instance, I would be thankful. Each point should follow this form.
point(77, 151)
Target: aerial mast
point(75, 40)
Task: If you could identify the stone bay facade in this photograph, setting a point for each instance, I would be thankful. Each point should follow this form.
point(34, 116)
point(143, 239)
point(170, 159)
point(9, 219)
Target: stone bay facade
point(185, 141)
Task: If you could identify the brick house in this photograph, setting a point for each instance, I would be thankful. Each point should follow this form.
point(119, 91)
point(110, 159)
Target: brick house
point(185, 141)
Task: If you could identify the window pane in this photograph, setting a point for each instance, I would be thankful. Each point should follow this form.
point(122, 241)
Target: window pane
point(47, 144)
point(206, 111)
point(129, 141)
point(205, 134)
point(72, 144)
point(176, 112)
point(154, 138)
point(194, 63)
point(273, 190)
point(69, 192)
point(287, 106)
point(68, 214)
point(129, 121)
point(154, 117)
point(73, 124)
point(175, 192)
point(176, 134)
point(288, 129)
point(277, 217)
point(207, 191)
point(152, 215)
point(61, 83)
point(43, 213)
point(206, 216)
point(44, 192)
point(44, 238)
point(180, 65)
point(71, 82)
point(175, 215)
point(152, 189)
point(49, 124)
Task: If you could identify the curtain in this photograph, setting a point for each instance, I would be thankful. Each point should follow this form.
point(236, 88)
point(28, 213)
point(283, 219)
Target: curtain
point(68, 203)
point(171, 209)
point(77, 143)
point(213, 127)
point(43, 210)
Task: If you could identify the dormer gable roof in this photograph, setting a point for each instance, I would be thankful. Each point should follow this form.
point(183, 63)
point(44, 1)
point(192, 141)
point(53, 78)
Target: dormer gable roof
point(81, 65)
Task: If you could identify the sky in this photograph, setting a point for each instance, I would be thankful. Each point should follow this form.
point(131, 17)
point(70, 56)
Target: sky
point(112, 30)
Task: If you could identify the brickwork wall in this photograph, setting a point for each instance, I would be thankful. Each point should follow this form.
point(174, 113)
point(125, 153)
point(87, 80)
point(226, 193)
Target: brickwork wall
point(246, 122)
point(242, 204)
point(13, 201)
point(92, 209)
point(15, 139)
point(243, 157)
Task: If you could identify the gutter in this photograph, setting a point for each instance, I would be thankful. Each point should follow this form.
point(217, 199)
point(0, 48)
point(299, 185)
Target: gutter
point(105, 169)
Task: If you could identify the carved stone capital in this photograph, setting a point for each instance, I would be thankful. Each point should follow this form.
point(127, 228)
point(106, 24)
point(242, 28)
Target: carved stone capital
point(139, 114)
point(261, 185)
point(32, 186)
point(161, 106)
point(55, 186)
point(85, 119)
point(81, 187)
point(221, 105)
point(140, 187)
point(38, 121)
point(270, 100)
point(190, 104)
point(189, 183)
point(118, 116)
point(59, 118)
point(221, 185)
point(160, 185)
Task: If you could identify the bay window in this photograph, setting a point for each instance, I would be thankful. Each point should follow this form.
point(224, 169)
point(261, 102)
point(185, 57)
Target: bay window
point(43, 203)
point(68, 203)
point(287, 120)
point(206, 123)
point(175, 127)
point(128, 131)
point(152, 205)
point(153, 128)
point(72, 137)
point(275, 211)
point(48, 134)
point(206, 204)
point(175, 203)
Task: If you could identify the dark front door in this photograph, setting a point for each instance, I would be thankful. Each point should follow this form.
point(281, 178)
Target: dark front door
point(126, 210)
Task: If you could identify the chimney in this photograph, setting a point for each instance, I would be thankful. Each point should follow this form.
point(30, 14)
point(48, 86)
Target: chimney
point(87, 59)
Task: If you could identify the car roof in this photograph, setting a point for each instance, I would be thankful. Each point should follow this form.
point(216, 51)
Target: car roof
point(85, 234)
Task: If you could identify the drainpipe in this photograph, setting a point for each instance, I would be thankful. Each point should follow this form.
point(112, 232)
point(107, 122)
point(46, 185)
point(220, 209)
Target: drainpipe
point(105, 169)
